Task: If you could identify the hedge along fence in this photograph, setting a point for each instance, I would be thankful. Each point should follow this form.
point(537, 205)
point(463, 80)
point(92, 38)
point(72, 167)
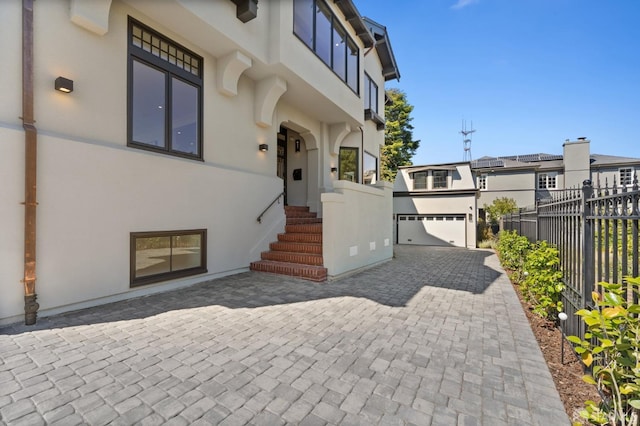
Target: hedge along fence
point(535, 267)
point(611, 344)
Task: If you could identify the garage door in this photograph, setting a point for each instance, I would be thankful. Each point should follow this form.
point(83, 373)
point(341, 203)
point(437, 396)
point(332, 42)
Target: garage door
point(432, 230)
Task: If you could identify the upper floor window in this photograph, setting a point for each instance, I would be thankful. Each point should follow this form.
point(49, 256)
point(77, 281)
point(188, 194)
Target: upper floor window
point(420, 180)
point(439, 179)
point(482, 181)
point(348, 164)
point(370, 94)
point(165, 94)
point(315, 24)
point(547, 181)
point(626, 176)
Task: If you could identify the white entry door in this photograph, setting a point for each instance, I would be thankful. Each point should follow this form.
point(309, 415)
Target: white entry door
point(432, 230)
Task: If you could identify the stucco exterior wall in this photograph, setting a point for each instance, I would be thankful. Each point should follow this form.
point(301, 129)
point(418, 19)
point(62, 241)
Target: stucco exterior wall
point(94, 190)
point(357, 226)
point(519, 185)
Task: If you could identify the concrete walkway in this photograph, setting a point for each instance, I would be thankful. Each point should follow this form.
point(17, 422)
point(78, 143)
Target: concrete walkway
point(435, 337)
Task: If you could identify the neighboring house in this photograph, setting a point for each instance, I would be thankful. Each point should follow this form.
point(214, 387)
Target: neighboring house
point(528, 179)
point(435, 205)
point(422, 194)
point(175, 128)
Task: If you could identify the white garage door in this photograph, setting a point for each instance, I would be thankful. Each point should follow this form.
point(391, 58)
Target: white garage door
point(432, 230)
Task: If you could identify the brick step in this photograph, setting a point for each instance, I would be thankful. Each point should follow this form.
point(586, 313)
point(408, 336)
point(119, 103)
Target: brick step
point(296, 247)
point(302, 214)
point(310, 228)
point(303, 220)
point(301, 238)
point(307, 272)
point(288, 209)
point(292, 257)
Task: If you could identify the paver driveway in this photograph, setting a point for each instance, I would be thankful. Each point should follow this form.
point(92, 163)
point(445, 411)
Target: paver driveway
point(434, 337)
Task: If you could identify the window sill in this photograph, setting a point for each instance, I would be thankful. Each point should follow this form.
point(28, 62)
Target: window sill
point(370, 114)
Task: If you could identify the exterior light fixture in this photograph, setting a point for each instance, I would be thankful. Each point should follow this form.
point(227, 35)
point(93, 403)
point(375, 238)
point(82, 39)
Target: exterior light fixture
point(263, 147)
point(297, 145)
point(334, 169)
point(64, 85)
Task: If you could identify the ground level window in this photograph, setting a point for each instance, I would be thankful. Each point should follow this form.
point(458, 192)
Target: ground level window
point(370, 173)
point(349, 165)
point(160, 256)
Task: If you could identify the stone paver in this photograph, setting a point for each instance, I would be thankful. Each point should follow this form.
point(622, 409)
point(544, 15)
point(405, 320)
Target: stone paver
point(434, 337)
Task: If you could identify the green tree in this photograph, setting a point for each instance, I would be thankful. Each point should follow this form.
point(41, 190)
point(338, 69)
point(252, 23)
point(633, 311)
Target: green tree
point(500, 207)
point(399, 145)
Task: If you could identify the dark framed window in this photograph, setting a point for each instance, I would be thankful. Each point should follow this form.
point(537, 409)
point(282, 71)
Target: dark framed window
point(348, 164)
point(439, 179)
point(316, 26)
point(420, 180)
point(161, 256)
point(370, 94)
point(369, 169)
point(165, 94)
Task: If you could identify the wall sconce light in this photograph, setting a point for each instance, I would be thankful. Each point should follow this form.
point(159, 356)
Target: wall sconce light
point(64, 85)
point(297, 145)
point(334, 169)
point(263, 147)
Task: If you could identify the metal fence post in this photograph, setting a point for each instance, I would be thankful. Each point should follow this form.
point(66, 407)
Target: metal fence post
point(588, 276)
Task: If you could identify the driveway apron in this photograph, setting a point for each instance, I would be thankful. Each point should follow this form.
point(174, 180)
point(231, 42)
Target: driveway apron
point(435, 336)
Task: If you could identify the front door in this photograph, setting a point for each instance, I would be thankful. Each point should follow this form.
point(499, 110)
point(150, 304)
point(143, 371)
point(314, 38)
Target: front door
point(282, 160)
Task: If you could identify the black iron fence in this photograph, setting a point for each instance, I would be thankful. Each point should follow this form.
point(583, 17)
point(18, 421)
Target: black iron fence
point(596, 233)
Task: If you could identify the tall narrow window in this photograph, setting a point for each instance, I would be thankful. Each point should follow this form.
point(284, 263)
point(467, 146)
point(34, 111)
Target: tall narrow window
point(370, 169)
point(370, 94)
point(160, 256)
point(482, 181)
point(165, 94)
point(348, 165)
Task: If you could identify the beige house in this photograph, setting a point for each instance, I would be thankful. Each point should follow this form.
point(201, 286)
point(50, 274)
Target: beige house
point(435, 205)
point(171, 134)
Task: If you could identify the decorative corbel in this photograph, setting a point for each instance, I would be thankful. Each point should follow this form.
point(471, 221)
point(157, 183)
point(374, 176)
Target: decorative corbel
point(91, 15)
point(268, 92)
point(229, 69)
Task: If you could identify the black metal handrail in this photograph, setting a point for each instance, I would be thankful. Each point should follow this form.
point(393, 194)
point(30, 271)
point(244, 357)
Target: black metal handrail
point(269, 206)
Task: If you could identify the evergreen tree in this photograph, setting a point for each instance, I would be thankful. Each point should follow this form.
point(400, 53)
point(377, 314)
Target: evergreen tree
point(399, 145)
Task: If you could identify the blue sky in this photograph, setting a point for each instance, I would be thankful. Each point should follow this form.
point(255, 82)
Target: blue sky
point(529, 73)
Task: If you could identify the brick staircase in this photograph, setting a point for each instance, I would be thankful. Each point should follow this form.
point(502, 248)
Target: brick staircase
point(298, 252)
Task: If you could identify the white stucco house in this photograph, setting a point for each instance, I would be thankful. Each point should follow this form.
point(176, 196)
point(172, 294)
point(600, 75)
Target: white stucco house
point(435, 205)
point(170, 137)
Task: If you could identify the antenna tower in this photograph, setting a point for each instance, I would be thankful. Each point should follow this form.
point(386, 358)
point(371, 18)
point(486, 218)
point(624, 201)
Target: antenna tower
point(466, 140)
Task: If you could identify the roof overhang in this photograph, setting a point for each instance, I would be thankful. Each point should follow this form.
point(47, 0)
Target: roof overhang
point(356, 21)
point(390, 69)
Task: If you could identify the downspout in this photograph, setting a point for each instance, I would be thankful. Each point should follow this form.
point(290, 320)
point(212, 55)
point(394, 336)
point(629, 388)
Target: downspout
point(362, 154)
point(31, 149)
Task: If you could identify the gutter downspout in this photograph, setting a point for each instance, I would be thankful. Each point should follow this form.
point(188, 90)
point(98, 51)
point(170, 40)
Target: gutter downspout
point(31, 149)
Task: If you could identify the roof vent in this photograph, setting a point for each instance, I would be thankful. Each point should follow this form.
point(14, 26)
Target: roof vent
point(582, 138)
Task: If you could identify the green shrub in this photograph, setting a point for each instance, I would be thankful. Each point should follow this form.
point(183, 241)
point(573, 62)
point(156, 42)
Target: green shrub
point(512, 249)
point(612, 347)
point(542, 284)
